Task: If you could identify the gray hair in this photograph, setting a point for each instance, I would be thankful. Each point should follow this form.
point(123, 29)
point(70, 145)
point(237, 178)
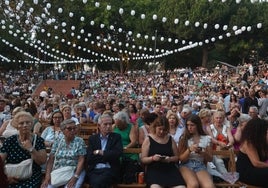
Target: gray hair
point(103, 116)
point(22, 114)
point(255, 108)
point(66, 122)
point(123, 116)
point(244, 118)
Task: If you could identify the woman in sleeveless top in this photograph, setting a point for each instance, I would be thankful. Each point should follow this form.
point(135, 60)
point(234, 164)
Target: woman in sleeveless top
point(159, 154)
point(252, 164)
point(221, 137)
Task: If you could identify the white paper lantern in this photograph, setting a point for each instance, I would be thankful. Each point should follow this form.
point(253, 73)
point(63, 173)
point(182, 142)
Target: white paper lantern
point(228, 34)
point(259, 25)
point(146, 36)
point(63, 30)
point(35, 2)
point(48, 5)
point(217, 26)
point(225, 27)
point(132, 12)
point(237, 1)
point(205, 26)
point(82, 18)
point(200, 43)
point(176, 21)
point(92, 22)
point(162, 38)
point(121, 11)
point(164, 19)
point(142, 16)
point(154, 17)
point(97, 4)
point(234, 27)
point(73, 28)
point(102, 25)
point(249, 28)
point(243, 28)
point(60, 10)
point(176, 41)
point(111, 27)
point(196, 24)
point(213, 39)
point(129, 33)
point(120, 30)
point(108, 7)
point(153, 37)
point(187, 22)
point(63, 24)
point(169, 40)
point(71, 14)
point(138, 35)
point(220, 37)
point(207, 41)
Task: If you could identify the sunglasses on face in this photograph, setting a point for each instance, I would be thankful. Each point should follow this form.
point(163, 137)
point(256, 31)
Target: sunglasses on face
point(71, 128)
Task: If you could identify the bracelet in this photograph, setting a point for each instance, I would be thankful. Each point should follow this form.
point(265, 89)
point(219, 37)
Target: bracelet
point(31, 149)
point(76, 176)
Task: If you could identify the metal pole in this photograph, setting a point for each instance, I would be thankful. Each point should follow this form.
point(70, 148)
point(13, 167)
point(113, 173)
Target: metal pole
point(155, 46)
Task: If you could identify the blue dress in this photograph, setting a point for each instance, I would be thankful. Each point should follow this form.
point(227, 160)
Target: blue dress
point(164, 174)
point(16, 154)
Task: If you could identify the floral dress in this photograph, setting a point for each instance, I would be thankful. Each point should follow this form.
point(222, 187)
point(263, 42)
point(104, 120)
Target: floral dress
point(67, 155)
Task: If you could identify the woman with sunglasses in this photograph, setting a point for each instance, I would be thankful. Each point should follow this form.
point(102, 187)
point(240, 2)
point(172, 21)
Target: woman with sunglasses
point(70, 150)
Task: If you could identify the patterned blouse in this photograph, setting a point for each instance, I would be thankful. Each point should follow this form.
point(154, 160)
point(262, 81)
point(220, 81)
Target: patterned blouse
point(67, 155)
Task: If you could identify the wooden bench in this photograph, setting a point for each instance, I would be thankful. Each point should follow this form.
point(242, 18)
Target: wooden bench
point(231, 167)
point(87, 129)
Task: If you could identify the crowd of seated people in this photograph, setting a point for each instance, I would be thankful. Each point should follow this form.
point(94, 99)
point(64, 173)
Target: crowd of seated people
point(150, 111)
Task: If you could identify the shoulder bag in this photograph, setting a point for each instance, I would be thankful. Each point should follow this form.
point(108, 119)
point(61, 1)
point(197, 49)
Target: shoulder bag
point(61, 175)
point(22, 170)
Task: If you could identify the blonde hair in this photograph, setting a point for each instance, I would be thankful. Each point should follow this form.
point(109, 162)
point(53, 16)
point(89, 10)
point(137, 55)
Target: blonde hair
point(204, 113)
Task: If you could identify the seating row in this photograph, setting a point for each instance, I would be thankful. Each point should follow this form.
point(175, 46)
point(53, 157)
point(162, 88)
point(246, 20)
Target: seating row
point(229, 154)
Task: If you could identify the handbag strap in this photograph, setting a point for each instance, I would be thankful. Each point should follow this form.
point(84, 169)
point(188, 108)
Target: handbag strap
point(57, 152)
point(34, 140)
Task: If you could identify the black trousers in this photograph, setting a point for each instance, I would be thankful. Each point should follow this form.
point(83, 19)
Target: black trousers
point(102, 178)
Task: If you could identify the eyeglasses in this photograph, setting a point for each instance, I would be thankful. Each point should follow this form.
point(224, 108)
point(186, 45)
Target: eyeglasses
point(71, 128)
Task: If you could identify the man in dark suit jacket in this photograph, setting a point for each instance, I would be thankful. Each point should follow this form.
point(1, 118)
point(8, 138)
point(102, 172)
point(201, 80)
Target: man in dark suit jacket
point(103, 155)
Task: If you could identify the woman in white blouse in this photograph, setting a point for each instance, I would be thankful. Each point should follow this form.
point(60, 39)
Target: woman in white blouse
point(195, 151)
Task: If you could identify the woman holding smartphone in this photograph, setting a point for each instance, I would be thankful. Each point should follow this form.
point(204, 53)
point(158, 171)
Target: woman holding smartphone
point(159, 154)
point(195, 151)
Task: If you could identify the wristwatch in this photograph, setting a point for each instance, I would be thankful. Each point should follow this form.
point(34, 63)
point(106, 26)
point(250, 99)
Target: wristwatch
point(76, 176)
point(31, 149)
